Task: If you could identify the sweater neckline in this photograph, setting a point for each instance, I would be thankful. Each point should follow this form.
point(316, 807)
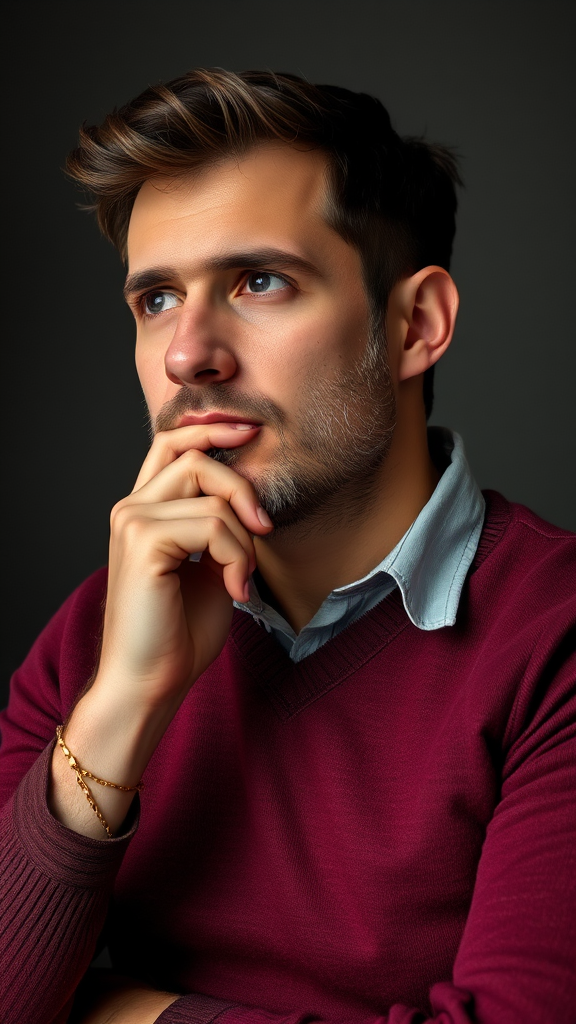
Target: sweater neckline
point(292, 686)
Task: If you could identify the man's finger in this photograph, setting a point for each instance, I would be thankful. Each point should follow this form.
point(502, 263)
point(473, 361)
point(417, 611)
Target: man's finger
point(168, 445)
point(211, 534)
point(197, 508)
point(193, 475)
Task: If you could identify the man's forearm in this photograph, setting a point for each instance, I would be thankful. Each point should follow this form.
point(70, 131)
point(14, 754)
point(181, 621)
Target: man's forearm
point(112, 742)
point(165, 620)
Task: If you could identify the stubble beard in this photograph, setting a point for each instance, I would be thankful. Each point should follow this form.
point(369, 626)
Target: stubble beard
point(328, 471)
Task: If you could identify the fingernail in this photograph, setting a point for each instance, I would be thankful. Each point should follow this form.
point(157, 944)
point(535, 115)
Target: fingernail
point(243, 426)
point(263, 516)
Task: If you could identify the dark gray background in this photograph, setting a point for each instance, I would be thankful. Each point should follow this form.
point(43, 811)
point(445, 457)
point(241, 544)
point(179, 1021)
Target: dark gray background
point(492, 78)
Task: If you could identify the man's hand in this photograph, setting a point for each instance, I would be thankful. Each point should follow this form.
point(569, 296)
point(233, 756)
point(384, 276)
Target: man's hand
point(166, 618)
point(107, 998)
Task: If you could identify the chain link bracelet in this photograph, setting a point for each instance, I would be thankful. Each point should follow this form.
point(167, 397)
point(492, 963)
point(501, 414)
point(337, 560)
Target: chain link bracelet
point(82, 773)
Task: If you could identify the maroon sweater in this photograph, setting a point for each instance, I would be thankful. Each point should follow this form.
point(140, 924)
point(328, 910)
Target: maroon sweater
point(382, 832)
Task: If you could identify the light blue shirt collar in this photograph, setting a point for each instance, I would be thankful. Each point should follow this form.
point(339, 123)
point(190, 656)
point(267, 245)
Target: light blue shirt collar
point(429, 564)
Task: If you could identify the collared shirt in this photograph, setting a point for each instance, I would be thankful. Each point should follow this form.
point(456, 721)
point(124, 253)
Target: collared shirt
point(429, 564)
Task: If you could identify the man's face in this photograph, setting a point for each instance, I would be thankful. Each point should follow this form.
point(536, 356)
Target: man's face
point(248, 303)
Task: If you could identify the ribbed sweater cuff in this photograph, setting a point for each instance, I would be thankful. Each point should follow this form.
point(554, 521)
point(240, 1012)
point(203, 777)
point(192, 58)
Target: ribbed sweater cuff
point(60, 853)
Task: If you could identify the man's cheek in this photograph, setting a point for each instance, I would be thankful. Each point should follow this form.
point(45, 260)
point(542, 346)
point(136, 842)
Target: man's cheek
point(155, 384)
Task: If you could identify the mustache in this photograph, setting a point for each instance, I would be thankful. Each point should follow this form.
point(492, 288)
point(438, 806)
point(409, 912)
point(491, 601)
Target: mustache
point(217, 398)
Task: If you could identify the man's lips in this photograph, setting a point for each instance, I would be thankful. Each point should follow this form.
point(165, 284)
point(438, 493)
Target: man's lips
point(215, 417)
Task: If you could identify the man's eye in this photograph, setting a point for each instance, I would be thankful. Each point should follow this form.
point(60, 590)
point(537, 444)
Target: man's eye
point(259, 282)
point(159, 302)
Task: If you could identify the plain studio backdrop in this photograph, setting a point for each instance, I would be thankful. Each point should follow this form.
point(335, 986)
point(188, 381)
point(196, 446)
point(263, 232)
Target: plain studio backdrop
point(494, 79)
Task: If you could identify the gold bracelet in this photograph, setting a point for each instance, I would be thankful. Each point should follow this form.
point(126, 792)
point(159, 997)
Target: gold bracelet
point(80, 772)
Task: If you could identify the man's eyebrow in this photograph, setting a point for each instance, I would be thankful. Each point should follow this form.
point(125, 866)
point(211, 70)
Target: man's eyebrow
point(261, 259)
point(143, 279)
point(254, 259)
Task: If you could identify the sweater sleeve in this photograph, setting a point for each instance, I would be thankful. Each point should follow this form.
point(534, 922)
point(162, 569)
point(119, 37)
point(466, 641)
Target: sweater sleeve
point(54, 884)
point(54, 892)
point(516, 962)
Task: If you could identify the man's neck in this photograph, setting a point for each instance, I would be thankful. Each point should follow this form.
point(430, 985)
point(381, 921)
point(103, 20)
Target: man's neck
point(300, 567)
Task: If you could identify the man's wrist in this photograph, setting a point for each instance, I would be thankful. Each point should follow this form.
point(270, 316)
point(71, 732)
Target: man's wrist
point(112, 744)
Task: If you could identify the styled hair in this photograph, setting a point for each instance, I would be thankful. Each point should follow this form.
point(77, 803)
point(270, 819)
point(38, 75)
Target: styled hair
point(392, 198)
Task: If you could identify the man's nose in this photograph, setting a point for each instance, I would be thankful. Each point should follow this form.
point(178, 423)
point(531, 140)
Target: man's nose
point(201, 351)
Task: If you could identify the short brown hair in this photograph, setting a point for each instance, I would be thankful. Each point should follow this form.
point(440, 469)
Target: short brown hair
point(392, 198)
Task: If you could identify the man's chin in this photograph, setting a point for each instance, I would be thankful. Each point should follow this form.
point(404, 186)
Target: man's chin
point(228, 456)
point(236, 459)
point(294, 499)
point(280, 498)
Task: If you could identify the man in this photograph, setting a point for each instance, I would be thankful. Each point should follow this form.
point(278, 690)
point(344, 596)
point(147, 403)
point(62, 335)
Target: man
point(344, 676)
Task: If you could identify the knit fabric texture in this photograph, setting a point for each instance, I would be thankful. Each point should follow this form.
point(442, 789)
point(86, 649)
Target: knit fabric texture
point(383, 832)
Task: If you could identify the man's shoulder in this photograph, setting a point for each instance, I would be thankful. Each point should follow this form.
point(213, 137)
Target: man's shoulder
point(73, 633)
point(509, 520)
point(87, 600)
point(523, 516)
point(524, 551)
point(53, 674)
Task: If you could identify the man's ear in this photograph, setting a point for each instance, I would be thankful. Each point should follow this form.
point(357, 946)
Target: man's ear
point(427, 303)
